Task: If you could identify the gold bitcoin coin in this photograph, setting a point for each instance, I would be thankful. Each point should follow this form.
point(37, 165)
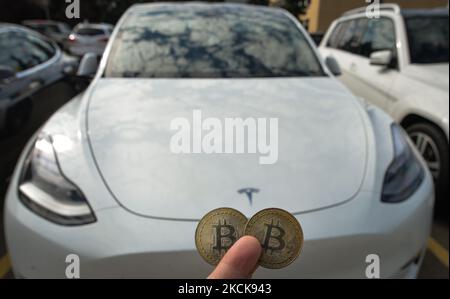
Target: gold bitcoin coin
point(217, 231)
point(280, 235)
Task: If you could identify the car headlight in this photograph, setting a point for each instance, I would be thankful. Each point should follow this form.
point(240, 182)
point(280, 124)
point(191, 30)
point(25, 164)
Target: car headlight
point(46, 191)
point(405, 174)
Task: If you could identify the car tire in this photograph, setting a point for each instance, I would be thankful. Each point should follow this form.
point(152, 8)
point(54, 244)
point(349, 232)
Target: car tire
point(18, 116)
point(421, 133)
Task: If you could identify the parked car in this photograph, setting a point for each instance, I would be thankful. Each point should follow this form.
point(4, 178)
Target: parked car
point(56, 31)
point(99, 180)
point(399, 63)
point(29, 62)
point(89, 38)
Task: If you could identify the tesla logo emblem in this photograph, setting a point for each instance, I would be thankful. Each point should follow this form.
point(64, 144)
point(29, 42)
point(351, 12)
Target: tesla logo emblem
point(249, 192)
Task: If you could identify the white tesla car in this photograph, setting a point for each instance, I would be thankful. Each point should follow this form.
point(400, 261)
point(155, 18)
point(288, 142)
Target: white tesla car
point(100, 180)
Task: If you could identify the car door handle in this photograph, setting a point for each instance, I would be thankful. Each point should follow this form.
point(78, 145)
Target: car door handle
point(35, 85)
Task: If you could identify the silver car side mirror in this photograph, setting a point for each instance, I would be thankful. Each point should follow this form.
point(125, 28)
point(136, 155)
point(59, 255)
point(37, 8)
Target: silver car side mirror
point(6, 74)
point(381, 58)
point(333, 66)
point(88, 65)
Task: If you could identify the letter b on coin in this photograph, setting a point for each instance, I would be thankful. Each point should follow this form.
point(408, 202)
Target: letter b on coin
point(216, 233)
point(280, 235)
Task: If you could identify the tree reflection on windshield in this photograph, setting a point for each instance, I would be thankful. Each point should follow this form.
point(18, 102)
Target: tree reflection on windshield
point(210, 41)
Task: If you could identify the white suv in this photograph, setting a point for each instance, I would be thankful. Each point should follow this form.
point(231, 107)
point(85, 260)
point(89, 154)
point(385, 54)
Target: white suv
point(399, 62)
point(89, 38)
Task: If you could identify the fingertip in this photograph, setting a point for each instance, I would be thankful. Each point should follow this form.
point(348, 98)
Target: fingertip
point(240, 261)
point(251, 243)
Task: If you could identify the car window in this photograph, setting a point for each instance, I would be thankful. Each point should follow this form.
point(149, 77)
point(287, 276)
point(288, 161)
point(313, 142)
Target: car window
point(89, 31)
point(51, 28)
point(38, 28)
point(40, 48)
point(428, 39)
point(45, 28)
point(350, 41)
point(336, 34)
point(64, 28)
point(22, 51)
point(8, 47)
point(211, 42)
point(380, 35)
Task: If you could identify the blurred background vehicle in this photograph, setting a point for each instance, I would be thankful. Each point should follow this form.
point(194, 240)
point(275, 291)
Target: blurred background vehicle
point(89, 38)
point(56, 31)
point(400, 63)
point(29, 62)
point(318, 15)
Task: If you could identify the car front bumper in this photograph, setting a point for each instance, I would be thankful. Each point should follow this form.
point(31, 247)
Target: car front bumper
point(80, 50)
point(123, 245)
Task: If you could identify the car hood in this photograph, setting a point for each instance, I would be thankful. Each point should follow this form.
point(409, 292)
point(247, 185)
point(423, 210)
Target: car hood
point(321, 150)
point(432, 74)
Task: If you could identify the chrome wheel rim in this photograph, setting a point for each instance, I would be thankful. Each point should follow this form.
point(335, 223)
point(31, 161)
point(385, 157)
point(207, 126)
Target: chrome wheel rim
point(428, 148)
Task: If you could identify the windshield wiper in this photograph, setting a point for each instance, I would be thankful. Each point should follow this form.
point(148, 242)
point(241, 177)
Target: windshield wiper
point(130, 74)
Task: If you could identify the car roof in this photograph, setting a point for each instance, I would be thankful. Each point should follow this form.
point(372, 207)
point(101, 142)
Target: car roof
point(93, 25)
point(425, 12)
point(4, 26)
point(397, 10)
point(42, 22)
point(9, 26)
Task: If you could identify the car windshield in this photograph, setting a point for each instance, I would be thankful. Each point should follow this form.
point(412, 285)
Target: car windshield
point(64, 28)
point(428, 39)
point(210, 42)
point(46, 28)
point(89, 31)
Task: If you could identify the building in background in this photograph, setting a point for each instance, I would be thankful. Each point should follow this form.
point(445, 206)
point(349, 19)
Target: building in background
point(321, 13)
